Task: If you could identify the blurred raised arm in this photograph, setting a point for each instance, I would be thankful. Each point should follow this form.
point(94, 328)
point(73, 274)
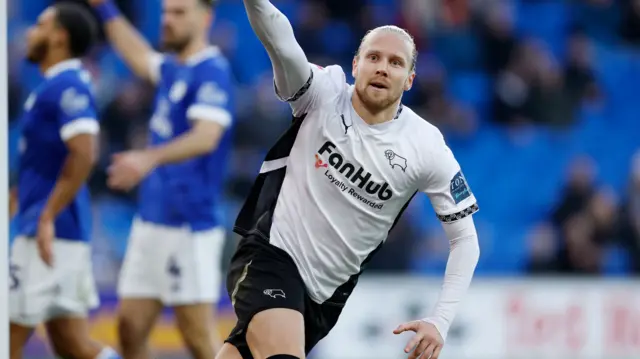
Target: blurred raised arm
point(127, 41)
point(290, 65)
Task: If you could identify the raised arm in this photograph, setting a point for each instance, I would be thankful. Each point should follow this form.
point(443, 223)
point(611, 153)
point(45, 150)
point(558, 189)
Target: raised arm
point(126, 40)
point(290, 65)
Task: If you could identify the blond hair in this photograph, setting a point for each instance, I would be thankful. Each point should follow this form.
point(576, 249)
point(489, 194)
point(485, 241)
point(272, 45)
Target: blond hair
point(397, 30)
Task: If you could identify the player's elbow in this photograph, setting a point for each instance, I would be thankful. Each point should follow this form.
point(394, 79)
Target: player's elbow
point(208, 145)
point(476, 251)
point(92, 158)
point(91, 154)
point(472, 249)
point(86, 159)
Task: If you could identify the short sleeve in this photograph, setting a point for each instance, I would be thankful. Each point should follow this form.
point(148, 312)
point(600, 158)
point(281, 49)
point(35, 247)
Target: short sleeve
point(323, 83)
point(76, 112)
point(155, 66)
point(447, 188)
point(211, 96)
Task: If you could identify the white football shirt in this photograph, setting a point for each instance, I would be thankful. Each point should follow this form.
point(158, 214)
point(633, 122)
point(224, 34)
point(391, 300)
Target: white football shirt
point(333, 186)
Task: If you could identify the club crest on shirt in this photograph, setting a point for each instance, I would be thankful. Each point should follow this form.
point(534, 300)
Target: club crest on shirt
point(73, 102)
point(178, 90)
point(211, 94)
point(395, 160)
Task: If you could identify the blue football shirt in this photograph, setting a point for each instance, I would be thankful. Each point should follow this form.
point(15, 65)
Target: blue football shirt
point(61, 107)
point(188, 193)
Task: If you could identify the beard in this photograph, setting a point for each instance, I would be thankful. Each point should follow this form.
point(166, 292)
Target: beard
point(172, 43)
point(38, 52)
point(377, 104)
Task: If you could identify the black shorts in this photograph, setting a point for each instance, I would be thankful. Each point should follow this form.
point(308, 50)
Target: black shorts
point(263, 277)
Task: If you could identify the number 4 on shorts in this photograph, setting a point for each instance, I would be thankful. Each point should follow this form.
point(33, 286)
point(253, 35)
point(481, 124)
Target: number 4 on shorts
point(172, 267)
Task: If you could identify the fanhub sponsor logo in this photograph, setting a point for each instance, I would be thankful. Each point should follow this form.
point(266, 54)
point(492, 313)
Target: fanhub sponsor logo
point(355, 178)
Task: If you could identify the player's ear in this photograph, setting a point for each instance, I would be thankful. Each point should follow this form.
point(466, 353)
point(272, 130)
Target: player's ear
point(409, 82)
point(59, 37)
point(354, 66)
point(209, 18)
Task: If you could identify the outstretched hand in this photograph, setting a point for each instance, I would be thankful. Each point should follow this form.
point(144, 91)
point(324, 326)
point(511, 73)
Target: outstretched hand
point(427, 341)
point(129, 168)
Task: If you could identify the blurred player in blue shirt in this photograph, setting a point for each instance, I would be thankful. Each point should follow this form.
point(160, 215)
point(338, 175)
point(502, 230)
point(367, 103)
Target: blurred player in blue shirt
point(51, 279)
point(176, 242)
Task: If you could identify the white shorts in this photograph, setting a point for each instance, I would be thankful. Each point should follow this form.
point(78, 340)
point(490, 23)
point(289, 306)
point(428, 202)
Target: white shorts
point(173, 265)
point(39, 293)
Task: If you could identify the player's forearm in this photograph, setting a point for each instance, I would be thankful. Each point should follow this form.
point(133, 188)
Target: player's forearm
point(189, 145)
point(463, 258)
point(74, 174)
point(290, 64)
point(125, 39)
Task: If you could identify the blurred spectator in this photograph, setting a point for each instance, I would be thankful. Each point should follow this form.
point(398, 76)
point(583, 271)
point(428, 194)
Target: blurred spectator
point(126, 114)
point(603, 213)
point(587, 234)
point(498, 39)
point(343, 10)
point(123, 125)
point(513, 87)
point(630, 217)
point(417, 17)
point(543, 249)
point(578, 253)
point(630, 24)
point(577, 192)
point(586, 229)
point(435, 105)
point(309, 30)
point(455, 12)
point(550, 102)
point(581, 226)
point(581, 84)
point(262, 123)
point(568, 242)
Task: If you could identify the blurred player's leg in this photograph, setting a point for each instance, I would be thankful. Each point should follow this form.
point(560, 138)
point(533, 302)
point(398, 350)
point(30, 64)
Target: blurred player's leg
point(139, 290)
point(19, 335)
point(59, 297)
point(195, 278)
point(69, 338)
point(166, 266)
point(136, 318)
point(196, 325)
